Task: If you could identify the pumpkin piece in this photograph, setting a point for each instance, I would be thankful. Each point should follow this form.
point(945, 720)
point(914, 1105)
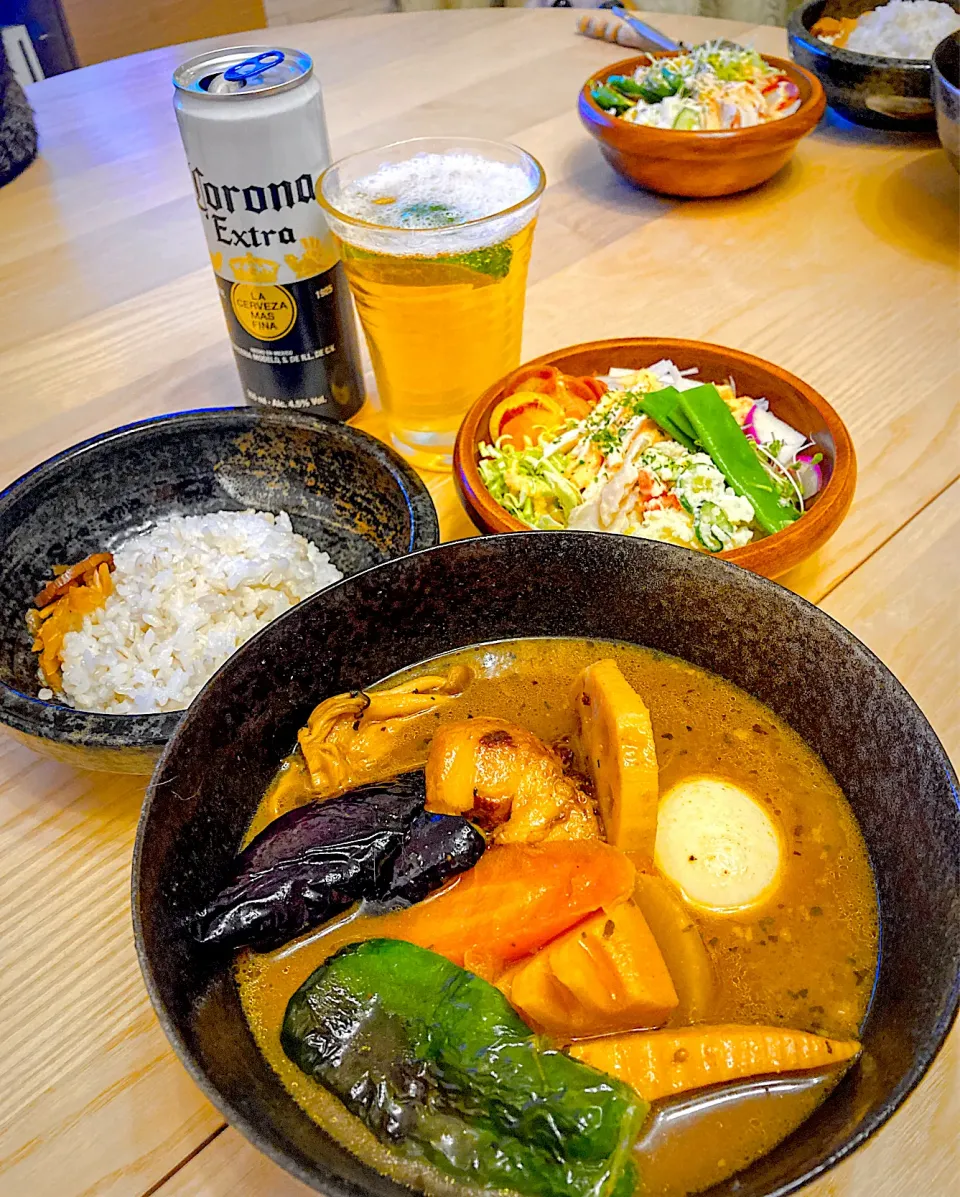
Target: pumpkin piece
point(616, 739)
point(541, 999)
point(605, 975)
point(664, 1063)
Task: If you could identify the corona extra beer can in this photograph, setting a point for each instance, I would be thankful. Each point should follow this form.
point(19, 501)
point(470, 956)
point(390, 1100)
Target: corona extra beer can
point(254, 131)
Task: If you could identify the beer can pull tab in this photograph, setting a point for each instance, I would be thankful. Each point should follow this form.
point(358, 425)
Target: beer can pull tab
point(251, 67)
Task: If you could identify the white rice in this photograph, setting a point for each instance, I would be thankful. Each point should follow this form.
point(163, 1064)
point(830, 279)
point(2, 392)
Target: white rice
point(187, 594)
point(903, 29)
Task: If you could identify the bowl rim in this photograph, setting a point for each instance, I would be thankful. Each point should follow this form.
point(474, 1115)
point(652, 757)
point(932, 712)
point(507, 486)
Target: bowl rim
point(334, 1186)
point(939, 49)
point(798, 122)
point(476, 497)
point(798, 30)
point(21, 711)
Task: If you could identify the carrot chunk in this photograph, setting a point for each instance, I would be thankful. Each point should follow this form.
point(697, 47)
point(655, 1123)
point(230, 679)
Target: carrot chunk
point(664, 1063)
point(515, 900)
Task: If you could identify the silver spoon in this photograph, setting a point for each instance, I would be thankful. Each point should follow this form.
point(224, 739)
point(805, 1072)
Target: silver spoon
point(658, 39)
point(647, 32)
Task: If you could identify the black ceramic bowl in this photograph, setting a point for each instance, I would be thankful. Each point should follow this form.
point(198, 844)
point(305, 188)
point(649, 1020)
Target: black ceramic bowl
point(885, 93)
point(946, 95)
point(344, 490)
point(775, 645)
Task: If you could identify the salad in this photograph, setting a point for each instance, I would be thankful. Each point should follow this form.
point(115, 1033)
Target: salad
point(652, 452)
point(713, 86)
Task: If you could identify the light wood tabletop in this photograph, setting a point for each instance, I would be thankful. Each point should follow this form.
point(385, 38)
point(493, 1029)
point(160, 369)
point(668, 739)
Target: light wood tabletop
point(842, 270)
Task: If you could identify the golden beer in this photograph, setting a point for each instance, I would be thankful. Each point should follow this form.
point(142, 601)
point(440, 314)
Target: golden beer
point(435, 237)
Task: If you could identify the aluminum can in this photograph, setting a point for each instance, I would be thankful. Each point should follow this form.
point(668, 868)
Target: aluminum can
point(253, 128)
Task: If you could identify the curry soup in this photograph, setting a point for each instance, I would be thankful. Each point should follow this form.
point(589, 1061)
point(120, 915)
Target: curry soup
point(804, 957)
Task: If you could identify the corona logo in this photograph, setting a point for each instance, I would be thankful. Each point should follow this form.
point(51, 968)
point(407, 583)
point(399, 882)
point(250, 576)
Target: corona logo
point(216, 260)
point(249, 269)
point(316, 258)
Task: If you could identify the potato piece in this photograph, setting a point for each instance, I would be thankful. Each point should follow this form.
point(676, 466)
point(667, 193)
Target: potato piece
point(664, 1063)
point(681, 945)
point(718, 845)
point(604, 975)
point(617, 742)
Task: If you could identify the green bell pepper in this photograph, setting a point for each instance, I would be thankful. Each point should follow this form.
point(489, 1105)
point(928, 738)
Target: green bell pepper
point(439, 1066)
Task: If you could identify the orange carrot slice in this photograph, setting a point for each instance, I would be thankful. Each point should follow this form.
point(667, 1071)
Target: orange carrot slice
point(515, 900)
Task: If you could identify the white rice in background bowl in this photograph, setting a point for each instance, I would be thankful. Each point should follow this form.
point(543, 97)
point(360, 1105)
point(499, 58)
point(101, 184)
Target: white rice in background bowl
point(903, 29)
point(188, 593)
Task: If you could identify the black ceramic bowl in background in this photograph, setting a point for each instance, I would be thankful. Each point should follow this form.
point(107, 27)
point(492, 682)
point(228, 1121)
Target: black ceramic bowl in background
point(351, 495)
point(778, 647)
point(885, 93)
point(946, 95)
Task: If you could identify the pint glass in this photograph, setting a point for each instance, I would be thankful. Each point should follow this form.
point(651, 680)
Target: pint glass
point(435, 236)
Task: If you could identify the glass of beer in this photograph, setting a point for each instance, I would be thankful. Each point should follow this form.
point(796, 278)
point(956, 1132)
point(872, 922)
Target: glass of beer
point(435, 236)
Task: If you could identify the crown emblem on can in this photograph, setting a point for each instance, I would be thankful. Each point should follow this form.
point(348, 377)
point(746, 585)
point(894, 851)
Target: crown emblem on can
point(316, 257)
point(249, 269)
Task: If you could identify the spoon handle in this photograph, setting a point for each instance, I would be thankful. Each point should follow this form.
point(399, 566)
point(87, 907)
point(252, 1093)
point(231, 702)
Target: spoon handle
point(647, 32)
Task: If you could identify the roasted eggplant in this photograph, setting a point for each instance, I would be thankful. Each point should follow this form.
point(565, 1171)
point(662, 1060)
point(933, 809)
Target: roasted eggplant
point(311, 863)
point(437, 848)
point(438, 1065)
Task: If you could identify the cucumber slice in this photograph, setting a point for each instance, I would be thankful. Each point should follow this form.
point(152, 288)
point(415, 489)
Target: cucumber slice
point(712, 528)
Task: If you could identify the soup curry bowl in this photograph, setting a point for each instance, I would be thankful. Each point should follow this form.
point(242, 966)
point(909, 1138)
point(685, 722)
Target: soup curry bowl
point(810, 673)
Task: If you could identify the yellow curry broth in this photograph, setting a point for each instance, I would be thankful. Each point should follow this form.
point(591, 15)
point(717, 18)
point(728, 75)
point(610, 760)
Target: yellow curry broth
point(805, 959)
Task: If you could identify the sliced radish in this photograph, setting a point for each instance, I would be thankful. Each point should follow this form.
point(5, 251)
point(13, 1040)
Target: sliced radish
point(809, 476)
point(766, 427)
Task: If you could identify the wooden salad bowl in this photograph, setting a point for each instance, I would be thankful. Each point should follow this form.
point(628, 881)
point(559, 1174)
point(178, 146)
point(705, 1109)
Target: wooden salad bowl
point(700, 163)
point(790, 399)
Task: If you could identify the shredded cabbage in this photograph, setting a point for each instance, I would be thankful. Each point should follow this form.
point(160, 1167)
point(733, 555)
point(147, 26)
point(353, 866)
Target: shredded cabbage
point(528, 485)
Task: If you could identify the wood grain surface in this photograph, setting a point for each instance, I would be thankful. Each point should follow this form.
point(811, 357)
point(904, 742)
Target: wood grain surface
point(842, 270)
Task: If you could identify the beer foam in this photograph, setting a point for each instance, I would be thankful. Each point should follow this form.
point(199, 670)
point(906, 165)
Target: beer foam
point(434, 197)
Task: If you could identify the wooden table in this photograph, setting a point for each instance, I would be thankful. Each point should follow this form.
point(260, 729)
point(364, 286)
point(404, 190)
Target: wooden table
point(842, 270)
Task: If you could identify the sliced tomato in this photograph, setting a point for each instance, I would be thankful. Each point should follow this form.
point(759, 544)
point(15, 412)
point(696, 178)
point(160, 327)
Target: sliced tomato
point(526, 415)
point(537, 378)
point(576, 395)
point(596, 387)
